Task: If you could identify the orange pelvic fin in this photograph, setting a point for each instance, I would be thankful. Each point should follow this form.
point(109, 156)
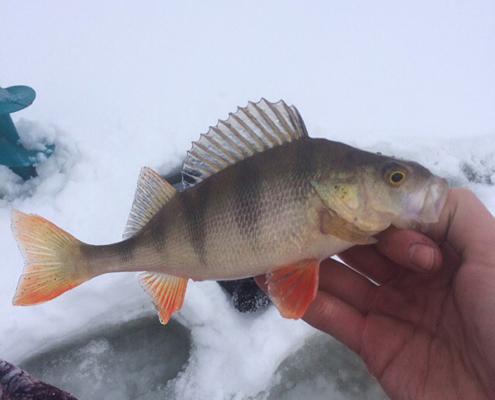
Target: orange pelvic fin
point(293, 288)
point(167, 292)
point(52, 259)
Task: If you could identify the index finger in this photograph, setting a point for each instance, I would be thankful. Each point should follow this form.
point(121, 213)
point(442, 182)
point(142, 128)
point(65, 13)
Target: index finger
point(410, 249)
point(394, 249)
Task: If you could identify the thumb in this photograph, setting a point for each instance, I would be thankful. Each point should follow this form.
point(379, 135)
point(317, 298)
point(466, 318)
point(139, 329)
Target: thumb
point(467, 225)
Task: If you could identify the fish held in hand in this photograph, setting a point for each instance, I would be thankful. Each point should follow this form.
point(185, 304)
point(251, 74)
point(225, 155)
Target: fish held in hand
point(261, 197)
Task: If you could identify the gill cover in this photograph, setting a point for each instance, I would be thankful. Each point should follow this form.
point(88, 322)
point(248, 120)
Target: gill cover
point(346, 215)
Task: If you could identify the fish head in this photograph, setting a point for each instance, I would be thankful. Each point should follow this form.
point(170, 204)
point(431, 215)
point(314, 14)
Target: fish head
point(402, 193)
point(373, 191)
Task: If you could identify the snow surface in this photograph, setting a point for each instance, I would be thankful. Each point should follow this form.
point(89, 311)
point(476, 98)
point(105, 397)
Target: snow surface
point(124, 84)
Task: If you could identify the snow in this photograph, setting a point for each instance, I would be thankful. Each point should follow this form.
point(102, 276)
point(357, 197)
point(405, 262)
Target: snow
point(126, 84)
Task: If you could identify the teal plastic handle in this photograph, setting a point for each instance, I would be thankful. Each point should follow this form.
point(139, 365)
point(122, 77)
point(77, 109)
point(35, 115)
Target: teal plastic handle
point(12, 153)
point(15, 98)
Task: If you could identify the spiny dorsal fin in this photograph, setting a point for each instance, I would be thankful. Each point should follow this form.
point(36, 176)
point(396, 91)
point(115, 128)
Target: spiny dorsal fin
point(250, 130)
point(152, 193)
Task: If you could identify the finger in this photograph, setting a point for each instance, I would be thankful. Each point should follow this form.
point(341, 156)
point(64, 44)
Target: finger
point(410, 249)
point(337, 318)
point(368, 261)
point(358, 292)
point(339, 280)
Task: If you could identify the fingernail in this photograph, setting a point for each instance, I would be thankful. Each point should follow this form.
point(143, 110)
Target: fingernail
point(422, 256)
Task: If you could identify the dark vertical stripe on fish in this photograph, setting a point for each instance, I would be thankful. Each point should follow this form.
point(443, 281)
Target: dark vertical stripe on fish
point(195, 205)
point(305, 165)
point(247, 200)
point(158, 232)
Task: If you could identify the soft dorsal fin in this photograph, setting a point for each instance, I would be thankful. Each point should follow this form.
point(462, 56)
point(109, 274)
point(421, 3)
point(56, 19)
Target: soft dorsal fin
point(152, 193)
point(250, 130)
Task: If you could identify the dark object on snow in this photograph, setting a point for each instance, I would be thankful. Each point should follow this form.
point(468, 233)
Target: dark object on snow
point(12, 153)
point(16, 384)
point(245, 293)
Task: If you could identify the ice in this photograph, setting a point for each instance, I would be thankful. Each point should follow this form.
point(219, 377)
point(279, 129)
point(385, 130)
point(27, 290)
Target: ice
point(323, 369)
point(123, 85)
point(134, 359)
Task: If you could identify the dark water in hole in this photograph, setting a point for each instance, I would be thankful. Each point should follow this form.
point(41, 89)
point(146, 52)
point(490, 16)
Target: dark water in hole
point(136, 360)
point(324, 369)
point(131, 361)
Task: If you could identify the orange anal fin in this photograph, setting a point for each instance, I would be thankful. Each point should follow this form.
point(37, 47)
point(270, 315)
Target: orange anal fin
point(167, 292)
point(294, 287)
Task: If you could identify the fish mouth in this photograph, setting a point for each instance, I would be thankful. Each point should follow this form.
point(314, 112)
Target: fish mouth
point(425, 206)
point(434, 201)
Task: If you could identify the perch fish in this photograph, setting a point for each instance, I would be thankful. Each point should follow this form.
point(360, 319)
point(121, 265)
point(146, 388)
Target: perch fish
point(262, 197)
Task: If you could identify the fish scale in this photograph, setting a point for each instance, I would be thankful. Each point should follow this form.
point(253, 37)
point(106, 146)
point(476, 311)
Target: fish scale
point(264, 220)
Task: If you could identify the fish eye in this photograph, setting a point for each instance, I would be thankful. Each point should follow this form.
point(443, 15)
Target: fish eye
point(396, 177)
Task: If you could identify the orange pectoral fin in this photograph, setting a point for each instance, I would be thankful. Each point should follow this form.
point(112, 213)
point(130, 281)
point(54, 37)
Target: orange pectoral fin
point(294, 287)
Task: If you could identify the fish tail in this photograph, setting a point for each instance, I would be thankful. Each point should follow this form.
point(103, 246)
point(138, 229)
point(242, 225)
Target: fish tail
point(53, 261)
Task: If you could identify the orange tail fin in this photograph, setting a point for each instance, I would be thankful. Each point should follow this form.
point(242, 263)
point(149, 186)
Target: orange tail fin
point(51, 258)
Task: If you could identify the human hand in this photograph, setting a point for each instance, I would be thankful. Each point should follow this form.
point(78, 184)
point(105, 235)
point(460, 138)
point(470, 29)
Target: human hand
point(428, 330)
